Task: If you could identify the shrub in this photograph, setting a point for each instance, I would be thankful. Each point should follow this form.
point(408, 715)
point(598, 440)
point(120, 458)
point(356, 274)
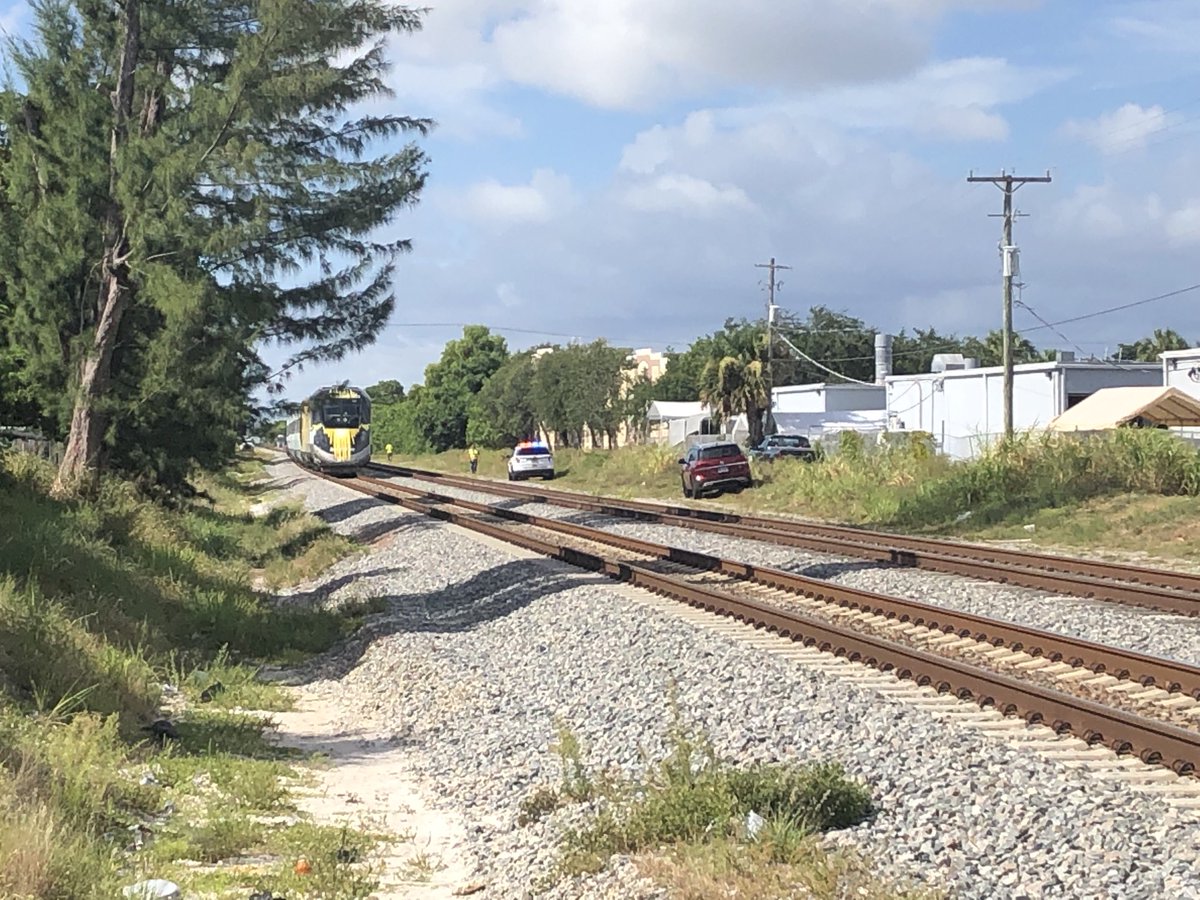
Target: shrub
point(692, 796)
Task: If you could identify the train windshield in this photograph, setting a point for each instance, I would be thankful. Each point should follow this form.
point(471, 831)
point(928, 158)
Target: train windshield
point(342, 413)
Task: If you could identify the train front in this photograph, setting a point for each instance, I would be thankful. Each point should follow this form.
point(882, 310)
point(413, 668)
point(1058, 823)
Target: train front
point(341, 440)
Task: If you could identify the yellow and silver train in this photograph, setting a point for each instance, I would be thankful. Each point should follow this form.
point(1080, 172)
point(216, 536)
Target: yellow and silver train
point(332, 430)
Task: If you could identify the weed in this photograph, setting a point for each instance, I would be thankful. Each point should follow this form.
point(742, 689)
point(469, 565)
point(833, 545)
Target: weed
point(693, 798)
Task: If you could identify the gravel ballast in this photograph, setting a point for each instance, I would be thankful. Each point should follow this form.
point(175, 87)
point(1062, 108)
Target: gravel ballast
point(481, 654)
point(1133, 628)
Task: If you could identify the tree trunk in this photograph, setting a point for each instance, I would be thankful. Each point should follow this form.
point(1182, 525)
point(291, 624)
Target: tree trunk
point(81, 458)
point(754, 422)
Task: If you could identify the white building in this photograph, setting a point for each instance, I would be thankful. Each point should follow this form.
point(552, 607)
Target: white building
point(827, 398)
point(964, 408)
point(1181, 369)
point(672, 421)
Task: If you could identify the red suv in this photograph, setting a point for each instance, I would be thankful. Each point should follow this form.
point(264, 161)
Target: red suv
point(714, 467)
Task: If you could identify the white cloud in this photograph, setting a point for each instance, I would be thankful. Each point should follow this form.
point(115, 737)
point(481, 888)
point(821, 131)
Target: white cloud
point(954, 99)
point(685, 193)
point(1101, 212)
point(633, 53)
point(546, 194)
point(630, 53)
point(1125, 128)
point(1182, 226)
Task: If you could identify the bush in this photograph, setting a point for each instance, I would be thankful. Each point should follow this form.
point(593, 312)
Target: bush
point(692, 796)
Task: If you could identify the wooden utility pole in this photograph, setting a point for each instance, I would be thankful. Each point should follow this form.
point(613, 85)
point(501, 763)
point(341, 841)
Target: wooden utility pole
point(1009, 184)
point(773, 267)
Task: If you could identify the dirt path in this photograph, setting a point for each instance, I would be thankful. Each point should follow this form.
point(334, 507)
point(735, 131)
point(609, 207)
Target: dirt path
point(367, 785)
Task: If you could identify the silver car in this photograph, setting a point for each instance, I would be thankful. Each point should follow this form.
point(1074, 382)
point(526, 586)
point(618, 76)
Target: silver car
point(531, 459)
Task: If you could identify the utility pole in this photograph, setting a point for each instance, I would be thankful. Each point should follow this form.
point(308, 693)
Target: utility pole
point(771, 285)
point(1009, 184)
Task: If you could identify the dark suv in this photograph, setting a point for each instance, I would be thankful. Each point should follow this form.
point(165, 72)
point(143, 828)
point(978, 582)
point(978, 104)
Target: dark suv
point(792, 446)
point(714, 467)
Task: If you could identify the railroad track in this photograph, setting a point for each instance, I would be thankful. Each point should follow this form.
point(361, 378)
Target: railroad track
point(1159, 589)
point(1150, 705)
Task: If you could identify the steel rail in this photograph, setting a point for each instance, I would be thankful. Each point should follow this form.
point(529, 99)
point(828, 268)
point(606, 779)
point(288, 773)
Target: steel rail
point(1153, 741)
point(1159, 589)
point(1167, 674)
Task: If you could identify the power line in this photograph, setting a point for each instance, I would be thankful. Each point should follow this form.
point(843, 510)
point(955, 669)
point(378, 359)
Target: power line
point(822, 367)
point(1123, 306)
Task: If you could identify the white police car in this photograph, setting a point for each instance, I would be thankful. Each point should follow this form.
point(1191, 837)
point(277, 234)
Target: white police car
point(530, 459)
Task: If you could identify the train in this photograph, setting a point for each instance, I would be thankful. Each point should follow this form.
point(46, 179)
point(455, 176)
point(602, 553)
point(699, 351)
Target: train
point(331, 432)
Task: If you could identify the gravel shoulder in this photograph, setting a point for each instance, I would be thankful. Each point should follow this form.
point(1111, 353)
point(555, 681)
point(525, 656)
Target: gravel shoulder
point(483, 651)
point(1142, 630)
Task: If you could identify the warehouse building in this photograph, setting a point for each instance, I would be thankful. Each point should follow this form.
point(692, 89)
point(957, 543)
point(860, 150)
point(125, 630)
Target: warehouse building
point(962, 405)
point(1181, 369)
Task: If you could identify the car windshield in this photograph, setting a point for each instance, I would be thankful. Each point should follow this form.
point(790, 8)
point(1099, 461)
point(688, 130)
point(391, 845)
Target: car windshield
point(532, 451)
point(341, 413)
point(790, 441)
point(720, 451)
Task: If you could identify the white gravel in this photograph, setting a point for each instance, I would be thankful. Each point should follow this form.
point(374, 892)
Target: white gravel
point(481, 653)
point(1142, 630)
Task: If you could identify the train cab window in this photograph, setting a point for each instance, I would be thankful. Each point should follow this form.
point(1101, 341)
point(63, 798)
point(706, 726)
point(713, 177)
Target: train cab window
point(342, 413)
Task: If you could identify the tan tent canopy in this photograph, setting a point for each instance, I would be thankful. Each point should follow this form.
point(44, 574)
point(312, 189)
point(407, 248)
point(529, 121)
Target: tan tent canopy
point(1114, 407)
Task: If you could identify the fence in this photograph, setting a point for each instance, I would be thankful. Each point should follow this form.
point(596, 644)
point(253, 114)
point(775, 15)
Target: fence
point(32, 443)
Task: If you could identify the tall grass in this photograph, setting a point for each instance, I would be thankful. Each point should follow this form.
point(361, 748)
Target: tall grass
point(903, 484)
point(101, 601)
point(907, 486)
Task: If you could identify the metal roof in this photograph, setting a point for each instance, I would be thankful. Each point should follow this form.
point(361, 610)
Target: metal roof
point(1113, 407)
point(665, 410)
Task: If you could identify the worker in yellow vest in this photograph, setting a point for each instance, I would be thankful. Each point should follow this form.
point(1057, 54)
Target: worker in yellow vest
point(473, 456)
point(387, 448)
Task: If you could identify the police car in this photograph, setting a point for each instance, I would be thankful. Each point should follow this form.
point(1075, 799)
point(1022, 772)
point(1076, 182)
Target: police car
point(530, 459)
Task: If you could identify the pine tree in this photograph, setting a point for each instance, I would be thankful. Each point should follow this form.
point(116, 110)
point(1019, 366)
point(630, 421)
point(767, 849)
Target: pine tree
point(173, 173)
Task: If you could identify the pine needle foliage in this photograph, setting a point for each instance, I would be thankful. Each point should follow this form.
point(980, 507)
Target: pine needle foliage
point(245, 201)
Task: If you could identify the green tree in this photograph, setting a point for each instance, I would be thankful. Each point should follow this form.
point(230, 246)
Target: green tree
point(637, 396)
point(913, 354)
point(578, 392)
point(1147, 349)
point(838, 341)
point(169, 171)
point(389, 391)
point(395, 424)
point(681, 380)
point(990, 350)
point(733, 380)
point(737, 386)
point(502, 413)
point(452, 383)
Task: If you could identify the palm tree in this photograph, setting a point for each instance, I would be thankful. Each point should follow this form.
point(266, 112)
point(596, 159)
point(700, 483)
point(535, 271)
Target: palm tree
point(1148, 348)
point(736, 385)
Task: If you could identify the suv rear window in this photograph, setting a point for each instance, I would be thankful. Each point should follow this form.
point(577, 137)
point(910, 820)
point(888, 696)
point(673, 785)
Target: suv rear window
point(532, 451)
point(791, 441)
point(720, 451)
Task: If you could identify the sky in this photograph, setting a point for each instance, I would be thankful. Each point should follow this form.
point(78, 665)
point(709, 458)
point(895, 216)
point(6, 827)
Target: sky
point(618, 168)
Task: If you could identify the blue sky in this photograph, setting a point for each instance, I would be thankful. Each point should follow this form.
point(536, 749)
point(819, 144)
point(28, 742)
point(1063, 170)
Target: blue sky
point(616, 168)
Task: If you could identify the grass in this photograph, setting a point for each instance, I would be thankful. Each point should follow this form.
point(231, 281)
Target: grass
point(1127, 490)
point(705, 828)
point(112, 607)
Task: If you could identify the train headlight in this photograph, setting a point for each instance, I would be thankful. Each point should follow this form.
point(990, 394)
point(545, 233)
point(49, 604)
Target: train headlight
point(362, 440)
point(321, 441)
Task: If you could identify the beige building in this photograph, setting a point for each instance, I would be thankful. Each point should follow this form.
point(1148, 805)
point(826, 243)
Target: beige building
point(649, 363)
